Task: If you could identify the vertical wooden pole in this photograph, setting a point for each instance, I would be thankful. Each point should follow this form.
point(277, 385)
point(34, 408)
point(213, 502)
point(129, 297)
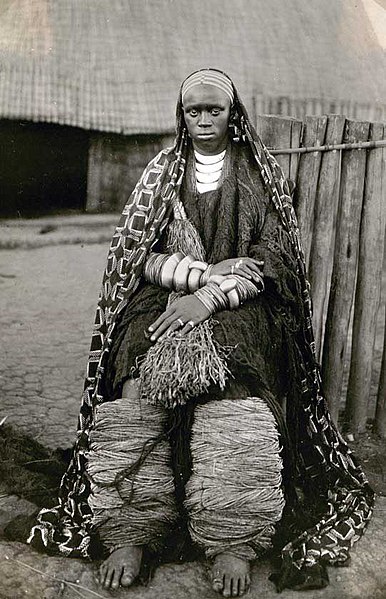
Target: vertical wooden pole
point(307, 179)
point(276, 132)
point(258, 104)
point(326, 204)
point(380, 414)
point(368, 289)
point(296, 136)
point(285, 106)
point(318, 107)
point(309, 107)
point(344, 264)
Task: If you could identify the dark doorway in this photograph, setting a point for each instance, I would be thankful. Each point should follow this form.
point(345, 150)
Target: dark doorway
point(43, 169)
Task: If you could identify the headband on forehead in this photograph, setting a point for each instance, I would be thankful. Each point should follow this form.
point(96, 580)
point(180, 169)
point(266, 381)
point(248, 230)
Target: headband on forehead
point(208, 77)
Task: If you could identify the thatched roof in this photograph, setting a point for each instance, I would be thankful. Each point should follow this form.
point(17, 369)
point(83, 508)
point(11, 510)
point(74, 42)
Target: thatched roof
point(116, 65)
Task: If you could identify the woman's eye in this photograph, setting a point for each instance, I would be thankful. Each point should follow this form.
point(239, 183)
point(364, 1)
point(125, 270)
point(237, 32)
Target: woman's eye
point(215, 111)
point(193, 112)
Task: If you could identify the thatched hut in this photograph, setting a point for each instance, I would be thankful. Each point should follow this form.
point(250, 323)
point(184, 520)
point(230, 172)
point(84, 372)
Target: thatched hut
point(87, 89)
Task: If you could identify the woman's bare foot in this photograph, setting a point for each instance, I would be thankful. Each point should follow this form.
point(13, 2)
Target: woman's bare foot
point(121, 567)
point(230, 575)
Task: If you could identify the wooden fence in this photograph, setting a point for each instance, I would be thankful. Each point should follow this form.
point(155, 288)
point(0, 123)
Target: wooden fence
point(301, 107)
point(340, 202)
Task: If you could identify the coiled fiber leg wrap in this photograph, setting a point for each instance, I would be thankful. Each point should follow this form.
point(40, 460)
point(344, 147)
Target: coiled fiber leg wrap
point(234, 496)
point(131, 506)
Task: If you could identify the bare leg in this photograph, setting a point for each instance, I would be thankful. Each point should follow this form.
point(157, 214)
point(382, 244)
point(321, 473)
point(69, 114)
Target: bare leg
point(121, 567)
point(230, 575)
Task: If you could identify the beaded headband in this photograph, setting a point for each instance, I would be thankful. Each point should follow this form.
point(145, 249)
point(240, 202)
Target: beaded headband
point(208, 77)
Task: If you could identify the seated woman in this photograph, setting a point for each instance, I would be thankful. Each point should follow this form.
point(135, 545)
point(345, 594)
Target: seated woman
point(202, 409)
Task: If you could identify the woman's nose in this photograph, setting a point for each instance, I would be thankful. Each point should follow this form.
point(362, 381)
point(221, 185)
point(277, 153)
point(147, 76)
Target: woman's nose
point(204, 119)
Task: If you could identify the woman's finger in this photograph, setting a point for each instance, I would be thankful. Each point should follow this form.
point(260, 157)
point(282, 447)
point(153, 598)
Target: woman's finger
point(257, 262)
point(163, 328)
point(168, 312)
point(255, 273)
point(173, 327)
point(187, 327)
point(249, 266)
point(255, 265)
point(238, 268)
point(250, 263)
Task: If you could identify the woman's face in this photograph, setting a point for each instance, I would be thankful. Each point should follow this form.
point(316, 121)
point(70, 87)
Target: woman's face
point(207, 111)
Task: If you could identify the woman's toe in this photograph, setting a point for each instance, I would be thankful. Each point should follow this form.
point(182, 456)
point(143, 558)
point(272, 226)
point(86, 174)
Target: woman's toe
point(116, 578)
point(127, 577)
point(217, 585)
point(235, 587)
point(227, 591)
point(108, 578)
point(247, 581)
point(242, 585)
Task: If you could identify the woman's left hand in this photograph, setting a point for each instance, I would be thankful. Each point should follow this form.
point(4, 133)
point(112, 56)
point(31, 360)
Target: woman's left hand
point(246, 267)
point(182, 316)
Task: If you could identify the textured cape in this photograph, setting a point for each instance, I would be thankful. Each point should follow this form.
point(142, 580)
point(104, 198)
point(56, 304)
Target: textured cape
point(324, 460)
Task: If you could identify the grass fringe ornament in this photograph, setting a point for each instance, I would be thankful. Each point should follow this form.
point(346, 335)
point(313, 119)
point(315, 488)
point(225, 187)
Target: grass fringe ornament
point(183, 366)
point(183, 237)
point(179, 367)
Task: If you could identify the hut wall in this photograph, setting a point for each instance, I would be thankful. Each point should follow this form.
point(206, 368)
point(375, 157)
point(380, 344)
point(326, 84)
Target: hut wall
point(43, 168)
point(115, 164)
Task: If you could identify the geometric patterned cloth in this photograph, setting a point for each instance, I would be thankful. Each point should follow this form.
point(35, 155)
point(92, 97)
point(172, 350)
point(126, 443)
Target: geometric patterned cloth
point(325, 460)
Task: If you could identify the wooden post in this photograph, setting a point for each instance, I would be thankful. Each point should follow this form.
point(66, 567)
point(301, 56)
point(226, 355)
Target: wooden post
point(307, 179)
point(318, 109)
point(309, 107)
point(368, 287)
point(266, 106)
point(258, 104)
point(285, 106)
point(344, 265)
point(276, 132)
point(380, 414)
point(326, 203)
point(302, 109)
point(296, 136)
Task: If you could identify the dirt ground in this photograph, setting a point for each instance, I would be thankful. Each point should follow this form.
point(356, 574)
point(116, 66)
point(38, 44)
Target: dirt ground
point(48, 292)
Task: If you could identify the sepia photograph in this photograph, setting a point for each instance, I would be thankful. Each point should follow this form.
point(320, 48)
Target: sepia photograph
point(192, 292)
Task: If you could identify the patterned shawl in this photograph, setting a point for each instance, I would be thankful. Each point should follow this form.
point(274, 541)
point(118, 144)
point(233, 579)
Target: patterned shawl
point(322, 451)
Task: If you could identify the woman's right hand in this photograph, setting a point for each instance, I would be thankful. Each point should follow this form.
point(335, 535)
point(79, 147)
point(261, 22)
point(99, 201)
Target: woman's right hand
point(246, 267)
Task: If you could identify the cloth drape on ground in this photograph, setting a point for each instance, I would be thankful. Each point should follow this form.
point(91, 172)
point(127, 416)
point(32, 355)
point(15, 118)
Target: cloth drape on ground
point(327, 472)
